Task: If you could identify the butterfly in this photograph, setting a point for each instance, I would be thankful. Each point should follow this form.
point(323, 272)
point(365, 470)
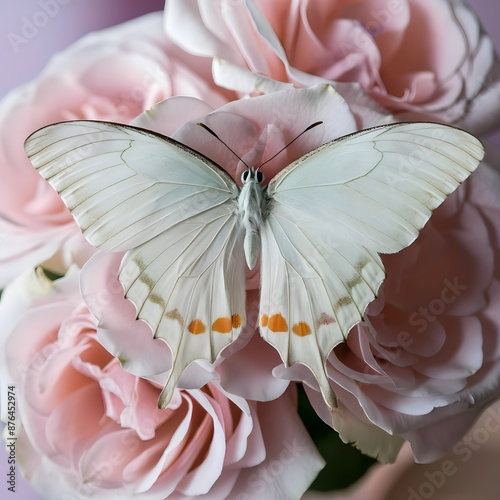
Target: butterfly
point(190, 232)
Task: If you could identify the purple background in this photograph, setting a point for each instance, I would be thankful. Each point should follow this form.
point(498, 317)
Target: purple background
point(72, 20)
point(67, 22)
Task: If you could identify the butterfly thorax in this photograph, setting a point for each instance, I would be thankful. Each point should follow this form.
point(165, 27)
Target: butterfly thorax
point(251, 201)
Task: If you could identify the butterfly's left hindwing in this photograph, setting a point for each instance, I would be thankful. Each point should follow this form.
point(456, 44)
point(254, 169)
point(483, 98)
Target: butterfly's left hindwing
point(331, 212)
point(174, 211)
point(312, 293)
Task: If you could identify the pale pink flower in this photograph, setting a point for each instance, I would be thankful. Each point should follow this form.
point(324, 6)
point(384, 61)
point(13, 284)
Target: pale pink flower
point(420, 60)
point(91, 429)
point(426, 361)
point(467, 471)
point(111, 75)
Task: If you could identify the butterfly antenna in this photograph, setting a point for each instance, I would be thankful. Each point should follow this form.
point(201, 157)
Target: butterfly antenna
point(291, 142)
point(208, 129)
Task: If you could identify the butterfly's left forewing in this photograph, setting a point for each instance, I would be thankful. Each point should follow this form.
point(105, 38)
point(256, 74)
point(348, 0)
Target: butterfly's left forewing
point(174, 211)
point(329, 215)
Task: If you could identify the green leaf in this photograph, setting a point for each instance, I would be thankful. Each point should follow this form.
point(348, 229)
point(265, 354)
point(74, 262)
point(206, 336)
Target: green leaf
point(52, 275)
point(344, 463)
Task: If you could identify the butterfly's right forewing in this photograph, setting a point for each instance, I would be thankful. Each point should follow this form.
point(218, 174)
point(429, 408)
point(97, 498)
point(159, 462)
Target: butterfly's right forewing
point(125, 185)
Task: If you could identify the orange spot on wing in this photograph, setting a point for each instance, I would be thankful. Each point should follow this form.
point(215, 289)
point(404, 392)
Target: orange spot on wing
point(263, 320)
point(222, 325)
point(277, 323)
point(301, 329)
point(196, 327)
point(237, 320)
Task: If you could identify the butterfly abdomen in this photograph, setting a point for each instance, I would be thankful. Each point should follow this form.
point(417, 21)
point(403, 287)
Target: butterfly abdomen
point(251, 202)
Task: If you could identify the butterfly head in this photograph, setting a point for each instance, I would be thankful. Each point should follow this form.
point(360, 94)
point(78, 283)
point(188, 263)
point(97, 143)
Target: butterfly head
point(252, 175)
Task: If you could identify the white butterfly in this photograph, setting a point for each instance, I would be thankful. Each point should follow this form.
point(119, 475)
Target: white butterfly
point(187, 228)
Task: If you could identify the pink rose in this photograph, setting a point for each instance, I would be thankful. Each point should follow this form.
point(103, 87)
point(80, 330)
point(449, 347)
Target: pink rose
point(426, 362)
point(420, 60)
point(256, 129)
point(467, 471)
point(89, 428)
point(110, 75)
